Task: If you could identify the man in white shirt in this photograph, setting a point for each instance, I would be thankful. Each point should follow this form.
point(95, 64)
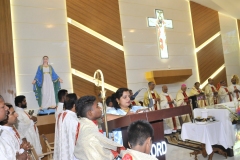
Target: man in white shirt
point(235, 89)
point(26, 124)
point(211, 93)
point(224, 94)
point(167, 101)
point(6, 151)
point(11, 135)
point(61, 98)
point(66, 130)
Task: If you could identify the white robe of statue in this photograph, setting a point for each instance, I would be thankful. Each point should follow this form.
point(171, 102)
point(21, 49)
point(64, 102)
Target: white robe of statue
point(168, 122)
point(7, 152)
point(48, 95)
point(91, 144)
point(27, 129)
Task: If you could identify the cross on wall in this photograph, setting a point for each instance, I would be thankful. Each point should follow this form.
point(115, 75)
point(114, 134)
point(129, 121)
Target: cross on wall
point(160, 23)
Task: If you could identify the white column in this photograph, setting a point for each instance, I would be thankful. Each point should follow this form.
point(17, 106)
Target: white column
point(230, 42)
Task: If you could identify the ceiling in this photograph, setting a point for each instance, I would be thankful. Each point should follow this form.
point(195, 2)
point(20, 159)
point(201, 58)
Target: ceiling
point(228, 7)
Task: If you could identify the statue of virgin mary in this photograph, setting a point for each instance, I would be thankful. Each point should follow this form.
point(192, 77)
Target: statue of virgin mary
point(46, 85)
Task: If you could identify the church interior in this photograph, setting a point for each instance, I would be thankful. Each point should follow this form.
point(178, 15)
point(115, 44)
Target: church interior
point(179, 58)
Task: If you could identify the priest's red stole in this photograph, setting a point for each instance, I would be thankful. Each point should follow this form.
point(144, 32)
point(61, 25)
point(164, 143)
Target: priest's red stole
point(236, 92)
point(214, 98)
point(185, 97)
point(173, 118)
point(133, 103)
point(155, 105)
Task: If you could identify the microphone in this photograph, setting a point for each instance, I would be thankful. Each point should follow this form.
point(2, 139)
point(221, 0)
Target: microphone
point(135, 95)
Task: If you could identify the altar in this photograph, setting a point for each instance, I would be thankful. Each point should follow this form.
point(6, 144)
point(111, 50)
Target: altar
point(222, 114)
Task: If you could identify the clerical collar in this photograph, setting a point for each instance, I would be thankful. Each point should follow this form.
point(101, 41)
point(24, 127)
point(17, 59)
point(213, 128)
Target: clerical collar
point(166, 94)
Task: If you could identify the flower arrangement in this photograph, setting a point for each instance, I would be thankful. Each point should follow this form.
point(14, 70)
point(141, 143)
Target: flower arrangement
point(238, 114)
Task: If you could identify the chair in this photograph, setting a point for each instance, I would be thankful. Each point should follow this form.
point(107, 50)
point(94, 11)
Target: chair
point(50, 147)
point(35, 156)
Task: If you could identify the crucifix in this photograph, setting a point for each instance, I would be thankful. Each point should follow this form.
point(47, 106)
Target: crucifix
point(160, 23)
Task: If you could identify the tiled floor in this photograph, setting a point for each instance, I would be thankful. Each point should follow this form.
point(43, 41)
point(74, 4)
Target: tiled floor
point(177, 153)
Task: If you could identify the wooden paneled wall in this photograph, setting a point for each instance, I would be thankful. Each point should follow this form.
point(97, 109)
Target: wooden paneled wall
point(89, 53)
point(7, 74)
point(206, 24)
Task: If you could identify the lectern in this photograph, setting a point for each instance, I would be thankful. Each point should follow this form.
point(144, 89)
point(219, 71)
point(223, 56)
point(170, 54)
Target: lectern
point(153, 117)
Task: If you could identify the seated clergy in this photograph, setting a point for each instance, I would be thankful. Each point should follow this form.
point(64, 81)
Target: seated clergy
point(140, 135)
point(10, 133)
point(7, 152)
point(26, 124)
point(66, 130)
point(170, 124)
point(182, 100)
point(196, 91)
point(211, 93)
point(224, 94)
point(234, 88)
point(154, 95)
point(91, 144)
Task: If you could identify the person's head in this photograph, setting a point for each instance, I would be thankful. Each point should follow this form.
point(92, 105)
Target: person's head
point(122, 99)
point(140, 135)
point(210, 81)
point(184, 87)
point(3, 110)
point(45, 59)
point(233, 80)
point(223, 83)
point(20, 101)
point(197, 85)
point(130, 92)
point(164, 89)
point(62, 95)
point(87, 106)
point(151, 85)
point(69, 103)
point(12, 116)
point(109, 102)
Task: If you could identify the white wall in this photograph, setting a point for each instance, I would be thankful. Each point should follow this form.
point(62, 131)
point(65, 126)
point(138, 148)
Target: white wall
point(140, 41)
point(230, 41)
point(39, 28)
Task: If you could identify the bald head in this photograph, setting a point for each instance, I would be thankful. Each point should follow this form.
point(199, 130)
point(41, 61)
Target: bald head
point(210, 81)
point(164, 89)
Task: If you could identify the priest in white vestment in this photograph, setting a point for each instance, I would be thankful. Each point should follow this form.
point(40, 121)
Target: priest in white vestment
point(61, 98)
point(91, 144)
point(26, 124)
point(196, 91)
point(11, 135)
point(7, 151)
point(235, 89)
point(182, 100)
point(167, 101)
point(66, 130)
point(211, 93)
point(153, 95)
point(224, 94)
